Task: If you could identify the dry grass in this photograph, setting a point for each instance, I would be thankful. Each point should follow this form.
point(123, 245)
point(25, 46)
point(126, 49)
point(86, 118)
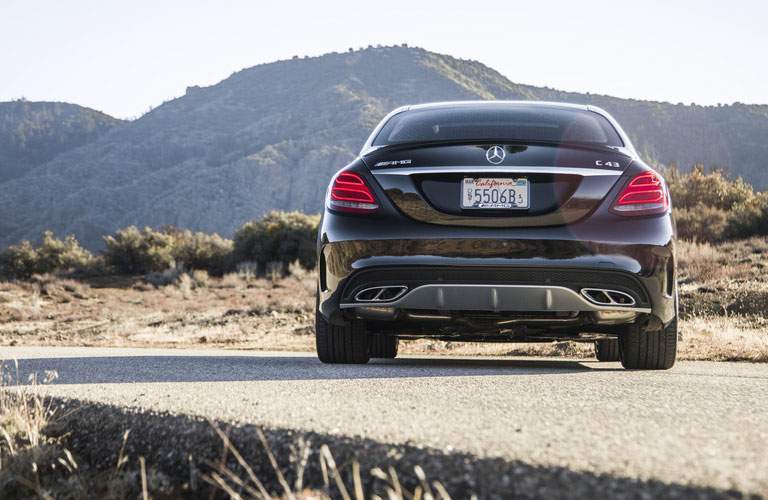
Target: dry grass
point(550, 349)
point(248, 485)
point(720, 338)
point(32, 462)
point(712, 338)
point(23, 416)
point(705, 262)
point(723, 288)
point(238, 310)
point(724, 280)
point(35, 462)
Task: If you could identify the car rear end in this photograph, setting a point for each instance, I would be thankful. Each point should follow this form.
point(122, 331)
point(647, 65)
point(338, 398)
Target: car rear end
point(497, 222)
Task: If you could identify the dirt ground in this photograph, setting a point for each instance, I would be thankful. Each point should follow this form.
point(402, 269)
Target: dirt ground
point(724, 309)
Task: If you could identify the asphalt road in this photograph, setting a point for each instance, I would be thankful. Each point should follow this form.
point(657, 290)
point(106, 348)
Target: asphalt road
point(701, 423)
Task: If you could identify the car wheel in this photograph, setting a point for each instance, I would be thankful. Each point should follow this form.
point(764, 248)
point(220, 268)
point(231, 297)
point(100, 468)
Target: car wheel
point(643, 349)
point(346, 343)
point(383, 346)
point(607, 350)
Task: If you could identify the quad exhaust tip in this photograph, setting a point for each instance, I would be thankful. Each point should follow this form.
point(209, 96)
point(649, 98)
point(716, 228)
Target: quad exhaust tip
point(381, 293)
point(606, 297)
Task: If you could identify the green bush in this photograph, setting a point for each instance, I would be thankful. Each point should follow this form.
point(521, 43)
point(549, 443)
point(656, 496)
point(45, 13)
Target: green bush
point(18, 261)
point(713, 189)
point(55, 255)
point(51, 256)
point(749, 218)
point(278, 237)
point(708, 206)
point(203, 251)
point(131, 251)
point(701, 223)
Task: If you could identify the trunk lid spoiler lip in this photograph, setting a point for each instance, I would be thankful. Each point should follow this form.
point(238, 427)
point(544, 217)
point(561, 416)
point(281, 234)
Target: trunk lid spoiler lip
point(458, 142)
point(493, 169)
point(366, 152)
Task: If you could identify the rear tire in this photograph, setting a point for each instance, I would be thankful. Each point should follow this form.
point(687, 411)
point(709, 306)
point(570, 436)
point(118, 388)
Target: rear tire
point(607, 350)
point(346, 344)
point(383, 346)
point(642, 349)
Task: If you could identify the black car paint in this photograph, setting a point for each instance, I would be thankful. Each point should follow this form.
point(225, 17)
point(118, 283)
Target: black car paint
point(593, 238)
point(517, 155)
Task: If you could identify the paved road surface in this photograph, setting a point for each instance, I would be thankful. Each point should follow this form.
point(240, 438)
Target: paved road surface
point(700, 423)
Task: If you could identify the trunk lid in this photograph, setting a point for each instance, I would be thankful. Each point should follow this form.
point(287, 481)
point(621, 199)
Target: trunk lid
point(562, 183)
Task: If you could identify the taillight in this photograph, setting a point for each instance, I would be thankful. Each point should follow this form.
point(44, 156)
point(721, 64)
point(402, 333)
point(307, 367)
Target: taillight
point(645, 194)
point(350, 193)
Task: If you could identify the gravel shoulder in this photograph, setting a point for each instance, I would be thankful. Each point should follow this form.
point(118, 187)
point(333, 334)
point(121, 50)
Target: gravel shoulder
point(700, 426)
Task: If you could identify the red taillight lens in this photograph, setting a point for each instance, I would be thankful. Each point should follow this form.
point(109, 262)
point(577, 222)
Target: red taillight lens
point(645, 194)
point(350, 193)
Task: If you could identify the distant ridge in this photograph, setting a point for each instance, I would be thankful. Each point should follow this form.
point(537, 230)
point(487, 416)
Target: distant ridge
point(32, 133)
point(270, 137)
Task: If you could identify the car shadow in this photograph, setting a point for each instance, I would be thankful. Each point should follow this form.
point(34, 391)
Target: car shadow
point(225, 368)
point(183, 447)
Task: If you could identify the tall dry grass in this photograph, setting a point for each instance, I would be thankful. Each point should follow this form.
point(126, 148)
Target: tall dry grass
point(34, 463)
point(248, 485)
point(703, 262)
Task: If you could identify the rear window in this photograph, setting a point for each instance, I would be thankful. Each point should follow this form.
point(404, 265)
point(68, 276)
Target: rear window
point(498, 124)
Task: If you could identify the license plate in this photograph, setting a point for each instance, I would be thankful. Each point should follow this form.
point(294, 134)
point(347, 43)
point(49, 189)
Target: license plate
point(487, 192)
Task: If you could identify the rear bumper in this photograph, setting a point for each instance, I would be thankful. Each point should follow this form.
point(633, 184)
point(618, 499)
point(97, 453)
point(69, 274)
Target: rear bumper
point(497, 298)
point(497, 275)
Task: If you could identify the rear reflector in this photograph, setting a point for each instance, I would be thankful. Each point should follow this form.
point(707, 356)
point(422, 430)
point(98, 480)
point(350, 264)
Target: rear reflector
point(350, 193)
point(644, 195)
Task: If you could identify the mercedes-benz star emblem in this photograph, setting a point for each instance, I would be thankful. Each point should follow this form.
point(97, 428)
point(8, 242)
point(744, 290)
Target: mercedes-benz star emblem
point(495, 154)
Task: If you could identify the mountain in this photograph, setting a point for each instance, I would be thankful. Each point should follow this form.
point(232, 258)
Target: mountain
point(270, 137)
point(32, 133)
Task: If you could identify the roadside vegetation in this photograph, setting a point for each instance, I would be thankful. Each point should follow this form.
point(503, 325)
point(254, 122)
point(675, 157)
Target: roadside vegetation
point(724, 299)
point(268, 244)
point(173, 287)
point(76, 449)
point(41, 457)
point(711, 207)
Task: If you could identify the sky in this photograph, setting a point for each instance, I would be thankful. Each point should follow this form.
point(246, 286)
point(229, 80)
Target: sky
point(124, 57)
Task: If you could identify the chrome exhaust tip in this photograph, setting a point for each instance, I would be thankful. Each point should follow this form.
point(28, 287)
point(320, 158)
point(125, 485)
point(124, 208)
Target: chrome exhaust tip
point(381, 293)
point(607, 297)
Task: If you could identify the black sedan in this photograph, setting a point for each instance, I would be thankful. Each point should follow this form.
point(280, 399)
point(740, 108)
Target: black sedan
point(498, 222)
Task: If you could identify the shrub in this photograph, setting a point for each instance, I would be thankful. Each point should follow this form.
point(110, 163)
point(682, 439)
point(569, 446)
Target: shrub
point(18, 261)
point(51, 256)
point(207, 252)
point(131, 251)
point(701, 223)
point(713, 189)
point(55, 255)
point(200, 278)
point(749, 218)
point(166, 277)
point(247, 269)
point(296, 270)
point(711, 207)
point(278, 237)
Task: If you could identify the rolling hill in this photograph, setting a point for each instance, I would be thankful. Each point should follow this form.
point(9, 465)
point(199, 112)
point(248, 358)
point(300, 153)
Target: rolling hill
point(33, 133)
point(270, 136)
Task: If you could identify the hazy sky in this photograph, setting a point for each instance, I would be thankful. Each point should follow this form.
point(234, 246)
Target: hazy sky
point(124, 56)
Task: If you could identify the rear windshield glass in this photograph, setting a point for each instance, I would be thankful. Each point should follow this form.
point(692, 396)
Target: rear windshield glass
point(498, 124)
